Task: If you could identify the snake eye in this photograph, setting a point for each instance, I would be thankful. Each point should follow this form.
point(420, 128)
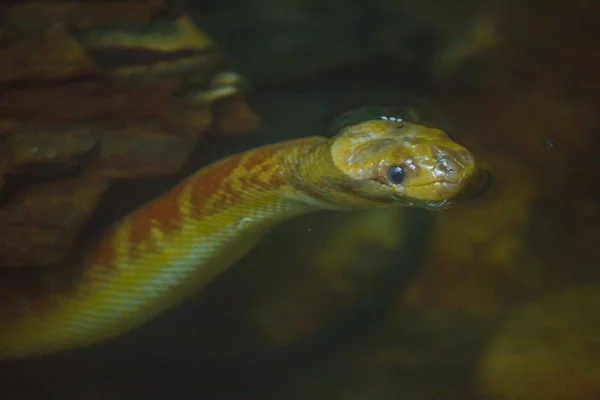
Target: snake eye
point(396, 175)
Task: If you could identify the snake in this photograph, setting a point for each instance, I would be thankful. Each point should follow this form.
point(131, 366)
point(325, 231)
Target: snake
point(170, 248)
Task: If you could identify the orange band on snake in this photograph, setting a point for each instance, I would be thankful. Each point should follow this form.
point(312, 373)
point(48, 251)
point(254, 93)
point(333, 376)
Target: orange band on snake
point(169, 249)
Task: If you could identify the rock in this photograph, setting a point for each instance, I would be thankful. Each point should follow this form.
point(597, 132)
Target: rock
point(154, 51)
point(96, 92)
point(233, 116)
point(142, 149)
point(40, 222)
point(548, 350)
point(78, 13)
point(35, 151)
point(88, 100)
point(49, 52)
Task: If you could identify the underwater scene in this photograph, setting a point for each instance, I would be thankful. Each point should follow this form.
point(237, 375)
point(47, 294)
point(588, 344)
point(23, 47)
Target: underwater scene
point(269, 200)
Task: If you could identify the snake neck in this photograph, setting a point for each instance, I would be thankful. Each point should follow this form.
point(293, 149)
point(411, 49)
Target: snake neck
point(287, 178)
point(242, 194)
point(284, 178)
point(324, 186)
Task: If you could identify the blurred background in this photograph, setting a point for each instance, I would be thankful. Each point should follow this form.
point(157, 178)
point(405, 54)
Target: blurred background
point(106, 104)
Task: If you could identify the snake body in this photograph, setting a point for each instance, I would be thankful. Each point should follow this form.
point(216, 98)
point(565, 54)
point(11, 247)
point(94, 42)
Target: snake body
point(166, 251)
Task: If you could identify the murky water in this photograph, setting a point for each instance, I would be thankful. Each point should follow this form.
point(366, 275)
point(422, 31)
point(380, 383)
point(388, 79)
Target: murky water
point(496, 299)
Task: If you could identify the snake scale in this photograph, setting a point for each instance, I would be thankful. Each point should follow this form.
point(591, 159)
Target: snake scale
point(169, 249)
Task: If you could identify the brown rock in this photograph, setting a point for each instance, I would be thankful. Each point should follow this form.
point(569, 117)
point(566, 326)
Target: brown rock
point(101, 91)
point(233, 116)
point(92, 99)
point(142, 149)
point(46, 53)
point(58, 204)
point(39, 223)
point(168, 35)
point(25, 245)
point(154, 52)
point(48, 152)
point(80, 13)
point(549, 350)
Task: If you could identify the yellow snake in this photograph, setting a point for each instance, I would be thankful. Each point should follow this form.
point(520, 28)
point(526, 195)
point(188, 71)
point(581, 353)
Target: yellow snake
point(167, 250)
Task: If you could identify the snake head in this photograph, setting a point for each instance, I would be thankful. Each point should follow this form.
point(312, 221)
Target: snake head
point(391, 160)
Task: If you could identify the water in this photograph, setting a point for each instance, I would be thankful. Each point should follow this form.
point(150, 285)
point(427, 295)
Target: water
point(496, 299)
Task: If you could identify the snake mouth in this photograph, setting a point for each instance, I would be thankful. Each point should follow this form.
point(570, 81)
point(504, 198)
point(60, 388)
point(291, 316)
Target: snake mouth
point(441, 194)
point(436, 191)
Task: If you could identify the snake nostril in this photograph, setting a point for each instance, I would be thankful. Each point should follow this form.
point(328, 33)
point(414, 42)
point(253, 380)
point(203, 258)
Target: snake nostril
point(447, 166)
point(446, 169)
